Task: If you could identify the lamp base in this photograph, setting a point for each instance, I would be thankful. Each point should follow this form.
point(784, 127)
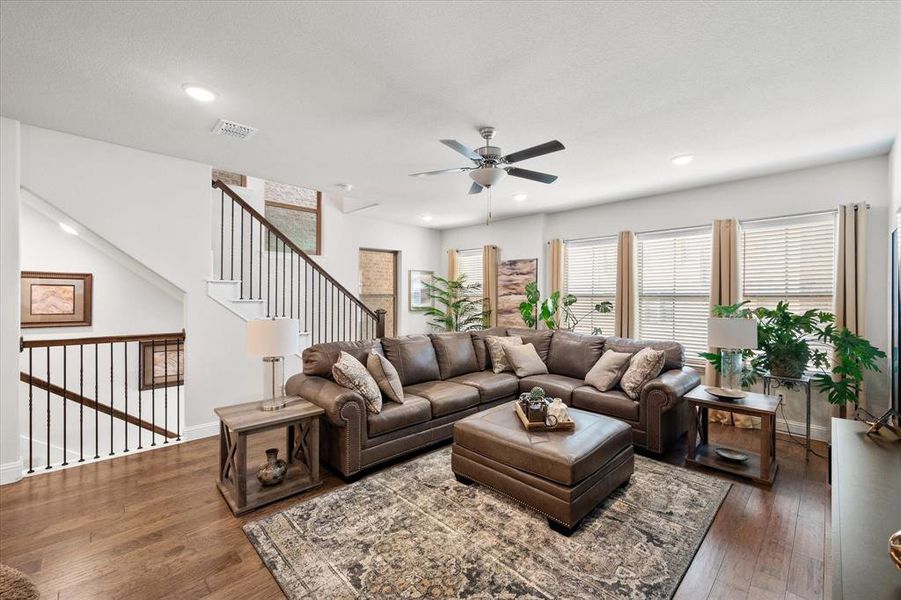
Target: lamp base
point(274, 404)
point(274, 383)
point(730, 370)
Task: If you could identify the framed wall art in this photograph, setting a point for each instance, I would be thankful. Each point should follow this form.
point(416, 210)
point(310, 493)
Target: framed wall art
point(512, 277)
point(56, 299)
point(162, 364)
point(419, 295)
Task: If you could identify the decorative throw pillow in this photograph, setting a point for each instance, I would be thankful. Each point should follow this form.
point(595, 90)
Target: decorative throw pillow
point(644, 366)
point(609, 369)
point(350, 373)
point(496, 351)
point(385, 376)
point(525, 360)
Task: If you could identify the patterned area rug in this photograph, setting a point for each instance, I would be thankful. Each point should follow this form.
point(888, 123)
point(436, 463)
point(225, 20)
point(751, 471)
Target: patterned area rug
point(412, 531)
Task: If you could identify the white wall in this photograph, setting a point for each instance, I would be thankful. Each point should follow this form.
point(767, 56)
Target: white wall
point(805, 190)
point(10, 462)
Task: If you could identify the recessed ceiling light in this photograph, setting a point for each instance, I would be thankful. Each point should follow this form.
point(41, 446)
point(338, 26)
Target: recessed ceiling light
point(344, 186)
point(201, 94)
point(68, 229)
point(682, 159)
point(520, 197)
point(427, 218)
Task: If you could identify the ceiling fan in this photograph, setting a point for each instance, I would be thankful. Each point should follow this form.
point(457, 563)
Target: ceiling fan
point(490, 164)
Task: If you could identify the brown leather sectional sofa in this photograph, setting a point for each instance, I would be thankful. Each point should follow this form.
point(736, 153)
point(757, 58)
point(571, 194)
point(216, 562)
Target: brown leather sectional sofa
point(447, 377)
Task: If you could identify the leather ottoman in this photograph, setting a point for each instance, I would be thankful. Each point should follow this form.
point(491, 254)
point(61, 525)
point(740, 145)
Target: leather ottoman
point(561, 474)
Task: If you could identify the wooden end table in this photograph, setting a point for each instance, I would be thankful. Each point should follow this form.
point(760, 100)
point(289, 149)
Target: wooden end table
point(241, 490)
point(759, 467)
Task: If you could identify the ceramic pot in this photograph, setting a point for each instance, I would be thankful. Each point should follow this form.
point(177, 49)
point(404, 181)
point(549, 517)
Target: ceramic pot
point(273, 472)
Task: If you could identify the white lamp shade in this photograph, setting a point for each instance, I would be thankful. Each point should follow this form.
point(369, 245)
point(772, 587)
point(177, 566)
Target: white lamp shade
point(273, 337)
point(732, 333)
point(487, 176)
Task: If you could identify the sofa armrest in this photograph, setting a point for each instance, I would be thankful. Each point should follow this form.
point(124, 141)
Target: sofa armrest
point(327, 395)
point(668, 388)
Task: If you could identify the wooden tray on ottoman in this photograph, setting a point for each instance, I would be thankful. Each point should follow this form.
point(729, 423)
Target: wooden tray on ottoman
point(530, 426)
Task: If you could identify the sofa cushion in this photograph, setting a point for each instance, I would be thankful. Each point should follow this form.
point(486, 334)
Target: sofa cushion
point(414, 358)
point(644, 366)
point(555, 386)
point(614, 403)
point(540, 338)
point(455, 353)
point(573, 354)
point(673, 351)
point(525, 360)
point(352, 374)
point(446, 397)
point(319, 359)
point(495, 346)
point(492, 386)
point(607, 372)
point(481, 350)
point(385, 376)
point(397, 416)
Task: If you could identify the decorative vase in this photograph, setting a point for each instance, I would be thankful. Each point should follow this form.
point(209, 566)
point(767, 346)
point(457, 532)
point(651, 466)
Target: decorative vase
point(273, 472)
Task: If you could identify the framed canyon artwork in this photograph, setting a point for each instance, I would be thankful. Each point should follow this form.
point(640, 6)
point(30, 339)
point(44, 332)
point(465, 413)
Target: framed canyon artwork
point(512, 277)
point(56, 299)
point(162, 364)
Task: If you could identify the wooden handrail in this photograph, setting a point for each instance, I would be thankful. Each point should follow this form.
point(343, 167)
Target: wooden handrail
point(93, 404)
point(287, 242)
point(102, 339)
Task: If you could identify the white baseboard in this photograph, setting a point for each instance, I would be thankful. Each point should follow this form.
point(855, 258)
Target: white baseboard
point(11, 472)
point(204, 430)
point(797, 428)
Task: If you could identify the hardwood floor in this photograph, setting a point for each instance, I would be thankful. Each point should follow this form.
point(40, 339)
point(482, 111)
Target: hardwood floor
point(153, 525)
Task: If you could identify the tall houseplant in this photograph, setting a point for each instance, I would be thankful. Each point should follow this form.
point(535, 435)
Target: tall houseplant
point(554, 312)
point(458, 304)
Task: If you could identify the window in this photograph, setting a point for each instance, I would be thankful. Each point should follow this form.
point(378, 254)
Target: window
point(791, 259)
point(590, 275)
point(674, 288)
point(469, 263)
point(296, 212)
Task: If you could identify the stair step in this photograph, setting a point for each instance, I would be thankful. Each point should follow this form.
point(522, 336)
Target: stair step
point(246, 301)
point(228, 281)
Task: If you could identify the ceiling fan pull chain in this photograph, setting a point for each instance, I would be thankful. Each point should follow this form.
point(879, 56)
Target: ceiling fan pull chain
point(488, 216)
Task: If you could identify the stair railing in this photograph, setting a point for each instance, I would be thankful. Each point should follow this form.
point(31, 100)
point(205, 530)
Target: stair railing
point(273, 269)
point(71, 373)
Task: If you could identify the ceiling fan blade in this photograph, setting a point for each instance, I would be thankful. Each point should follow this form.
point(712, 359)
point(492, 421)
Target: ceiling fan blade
point(533, 175)
point(475, 189)
point(545, 148)
point(464, 150)
point(427, 173)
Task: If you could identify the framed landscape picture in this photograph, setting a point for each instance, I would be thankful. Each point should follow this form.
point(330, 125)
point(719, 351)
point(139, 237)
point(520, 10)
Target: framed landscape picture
point(512, 277)
point(419, 296)
point(56, 299)
point(162, 364)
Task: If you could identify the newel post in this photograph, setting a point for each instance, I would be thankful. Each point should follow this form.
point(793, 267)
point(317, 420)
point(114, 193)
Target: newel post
point(380, 322)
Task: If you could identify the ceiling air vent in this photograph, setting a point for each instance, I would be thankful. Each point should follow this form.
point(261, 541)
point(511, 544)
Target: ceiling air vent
point(235, 130)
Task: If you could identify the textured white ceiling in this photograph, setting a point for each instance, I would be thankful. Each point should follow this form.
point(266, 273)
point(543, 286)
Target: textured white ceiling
point(361, 92)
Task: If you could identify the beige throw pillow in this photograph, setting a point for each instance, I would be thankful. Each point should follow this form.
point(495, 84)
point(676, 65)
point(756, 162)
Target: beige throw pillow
point(609, 369)
point(644, 366)
point(385, 376)
point(350, 373)
point(496, 351)
point(525, 360)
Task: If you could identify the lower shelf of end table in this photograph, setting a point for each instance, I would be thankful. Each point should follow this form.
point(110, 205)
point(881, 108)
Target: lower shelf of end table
point(706, 456)
point(298, 479)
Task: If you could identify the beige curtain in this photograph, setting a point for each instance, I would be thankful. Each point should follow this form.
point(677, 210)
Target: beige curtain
point(850, 274)
point(724, 289)
point(558, 267)
point(625, 307)
point(452, 257)
point(489, 282)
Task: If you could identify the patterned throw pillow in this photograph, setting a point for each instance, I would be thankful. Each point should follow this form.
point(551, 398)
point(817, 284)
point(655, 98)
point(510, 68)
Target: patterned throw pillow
point(385, 376)
point(496, 345)
point(350, 373)
point(644, 366)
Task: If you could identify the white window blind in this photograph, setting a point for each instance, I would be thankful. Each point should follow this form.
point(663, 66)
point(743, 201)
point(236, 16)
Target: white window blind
point(791, 259)
point(469, 263)
point(590, 275)
point(674, 288)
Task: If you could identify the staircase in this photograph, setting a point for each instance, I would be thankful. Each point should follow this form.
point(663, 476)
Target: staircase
point(258, 272)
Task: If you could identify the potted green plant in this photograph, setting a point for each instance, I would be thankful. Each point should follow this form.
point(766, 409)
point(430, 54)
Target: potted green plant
point(555, 312)
point(458, 304)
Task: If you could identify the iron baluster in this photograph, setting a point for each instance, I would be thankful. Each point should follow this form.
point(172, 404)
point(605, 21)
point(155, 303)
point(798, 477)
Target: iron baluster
point(48, 408)
point(96, 401)
point(166, 384)
point(221, 235)
point(231, 242)
point(241, 250)
point(30, 411)
point(250, 258)
point(81, 404)
point(111, 397)
point(125, 371)
point(152, 394)
point(179, 383)
point(65, 411)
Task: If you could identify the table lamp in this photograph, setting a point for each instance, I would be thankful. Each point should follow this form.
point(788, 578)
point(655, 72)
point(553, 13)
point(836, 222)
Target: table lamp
point(273, 339)
point(731, 336)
